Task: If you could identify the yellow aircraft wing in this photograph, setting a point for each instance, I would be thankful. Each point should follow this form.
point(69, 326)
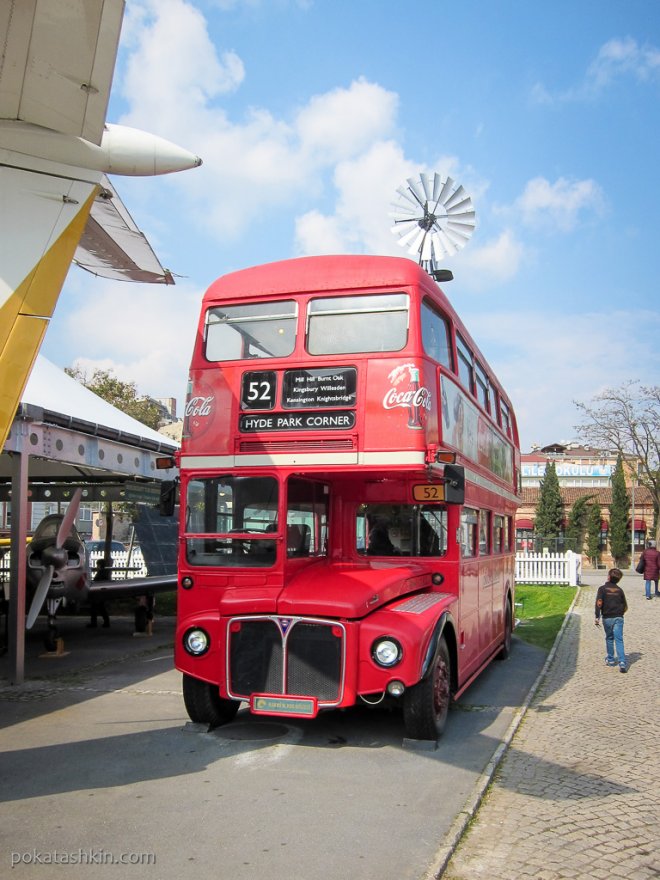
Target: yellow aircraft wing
point(56, 68)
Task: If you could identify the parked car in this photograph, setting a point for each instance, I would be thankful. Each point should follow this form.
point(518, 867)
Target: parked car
point(99, 547)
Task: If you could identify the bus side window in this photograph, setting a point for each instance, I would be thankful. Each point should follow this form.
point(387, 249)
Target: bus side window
point(469, 521)
point(435, 336)
point(498, 534)
point(484, 533)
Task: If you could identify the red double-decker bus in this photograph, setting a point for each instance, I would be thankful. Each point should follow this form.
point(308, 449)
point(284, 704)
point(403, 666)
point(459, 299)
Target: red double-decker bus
point(348, 480)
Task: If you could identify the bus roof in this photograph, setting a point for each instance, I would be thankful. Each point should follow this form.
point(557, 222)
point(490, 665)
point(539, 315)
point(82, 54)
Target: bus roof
point(315, 274)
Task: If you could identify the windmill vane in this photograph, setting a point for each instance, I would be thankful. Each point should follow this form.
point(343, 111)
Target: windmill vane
point(433, 219)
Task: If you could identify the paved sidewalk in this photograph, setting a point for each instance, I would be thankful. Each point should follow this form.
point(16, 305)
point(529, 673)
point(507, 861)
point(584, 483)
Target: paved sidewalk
point(578, 792)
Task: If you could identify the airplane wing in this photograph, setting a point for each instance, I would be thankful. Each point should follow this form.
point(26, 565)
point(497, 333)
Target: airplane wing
point(134, 586)
point(112, 246)
point(57, 59)
point(57, 63)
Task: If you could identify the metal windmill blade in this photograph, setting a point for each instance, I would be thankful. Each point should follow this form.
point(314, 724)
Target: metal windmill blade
point(433, 217)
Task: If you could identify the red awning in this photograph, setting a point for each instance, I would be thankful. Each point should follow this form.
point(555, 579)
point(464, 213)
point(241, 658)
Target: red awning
point(524, 524)
point(640, 525)
point(604, 525)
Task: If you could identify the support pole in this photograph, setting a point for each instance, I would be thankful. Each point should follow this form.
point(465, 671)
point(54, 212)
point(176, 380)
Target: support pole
point(17, 570)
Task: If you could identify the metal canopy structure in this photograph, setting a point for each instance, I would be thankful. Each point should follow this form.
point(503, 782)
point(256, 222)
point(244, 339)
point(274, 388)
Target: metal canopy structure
point(64, 437)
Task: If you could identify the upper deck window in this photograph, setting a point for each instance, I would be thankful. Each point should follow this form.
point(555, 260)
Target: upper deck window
point(465, 364)
point(253, 330)
point(435, 336)
point(483, 387)
point(351, 324)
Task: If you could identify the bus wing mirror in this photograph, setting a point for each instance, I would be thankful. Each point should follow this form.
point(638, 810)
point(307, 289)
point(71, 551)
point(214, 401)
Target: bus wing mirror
point(167, 499)
point(454, 484)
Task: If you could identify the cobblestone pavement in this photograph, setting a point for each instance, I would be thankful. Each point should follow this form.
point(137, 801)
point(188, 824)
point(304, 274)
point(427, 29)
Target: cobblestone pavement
point(578, 792)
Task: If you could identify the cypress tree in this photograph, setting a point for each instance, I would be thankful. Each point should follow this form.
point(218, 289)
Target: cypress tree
point(619, 512)
point(577, 524)
point(550, 510)
point(594, 519)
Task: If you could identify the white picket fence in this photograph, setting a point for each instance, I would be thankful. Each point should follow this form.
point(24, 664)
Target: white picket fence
point(121, 561)
point(548, 568)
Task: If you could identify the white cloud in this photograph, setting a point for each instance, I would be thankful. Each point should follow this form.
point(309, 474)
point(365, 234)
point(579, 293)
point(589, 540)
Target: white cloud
point(616, 59)
point(484, 266)
point(173, 82)
point(559, 205)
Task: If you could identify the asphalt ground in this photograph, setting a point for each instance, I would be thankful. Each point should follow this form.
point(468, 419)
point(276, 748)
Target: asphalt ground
point(102, 775)
point(577, 794)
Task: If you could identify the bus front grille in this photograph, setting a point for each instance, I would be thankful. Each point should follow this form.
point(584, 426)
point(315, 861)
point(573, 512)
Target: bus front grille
point(292, 656)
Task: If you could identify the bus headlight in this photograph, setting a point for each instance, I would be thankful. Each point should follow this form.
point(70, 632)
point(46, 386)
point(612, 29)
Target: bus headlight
point(386, 652)
point(196, 642)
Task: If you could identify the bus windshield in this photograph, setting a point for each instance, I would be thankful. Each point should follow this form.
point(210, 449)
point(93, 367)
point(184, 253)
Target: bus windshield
point(216, 507)
point(401, 530)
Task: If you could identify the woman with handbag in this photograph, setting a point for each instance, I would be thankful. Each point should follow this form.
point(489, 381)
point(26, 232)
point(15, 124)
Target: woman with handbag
point(649, 566)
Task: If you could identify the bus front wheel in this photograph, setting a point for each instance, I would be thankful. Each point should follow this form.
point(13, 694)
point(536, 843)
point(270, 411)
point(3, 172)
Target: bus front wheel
point(205, 705)
point(426, 704)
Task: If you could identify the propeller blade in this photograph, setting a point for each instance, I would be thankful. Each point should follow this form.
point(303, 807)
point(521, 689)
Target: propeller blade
point(40, 595)
point(68, 519)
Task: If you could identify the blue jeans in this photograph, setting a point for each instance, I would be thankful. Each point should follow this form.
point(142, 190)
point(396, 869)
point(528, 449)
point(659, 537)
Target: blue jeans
point(647, 584)
point(613, 627)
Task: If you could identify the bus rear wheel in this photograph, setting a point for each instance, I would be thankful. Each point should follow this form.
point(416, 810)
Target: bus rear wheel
point(505, 650)
point(204, 704)
point(426, 704)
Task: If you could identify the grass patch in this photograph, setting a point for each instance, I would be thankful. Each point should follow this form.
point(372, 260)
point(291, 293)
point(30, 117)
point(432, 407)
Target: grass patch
point(541, 610)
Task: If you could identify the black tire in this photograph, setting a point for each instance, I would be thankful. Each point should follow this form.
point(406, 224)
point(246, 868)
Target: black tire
point(426, 704)
point(204, 704)
point(505, 650)
point(50, 639)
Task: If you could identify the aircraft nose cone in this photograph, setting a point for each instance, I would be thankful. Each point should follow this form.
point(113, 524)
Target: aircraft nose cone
point(55, 556)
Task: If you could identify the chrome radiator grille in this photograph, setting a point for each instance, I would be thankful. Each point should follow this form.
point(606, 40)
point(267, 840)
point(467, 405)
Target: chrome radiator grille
point(285, 655)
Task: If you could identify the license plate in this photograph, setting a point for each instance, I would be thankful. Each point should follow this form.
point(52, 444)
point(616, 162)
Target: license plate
point(265, 704)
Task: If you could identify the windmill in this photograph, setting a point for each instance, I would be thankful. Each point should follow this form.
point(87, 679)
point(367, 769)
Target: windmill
point(433, 218)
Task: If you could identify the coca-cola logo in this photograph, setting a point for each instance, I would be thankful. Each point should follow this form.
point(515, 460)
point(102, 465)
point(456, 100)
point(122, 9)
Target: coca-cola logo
point(420, 397)
point(198, 406)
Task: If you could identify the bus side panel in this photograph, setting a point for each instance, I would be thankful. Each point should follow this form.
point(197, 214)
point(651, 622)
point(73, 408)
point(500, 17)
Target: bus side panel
point(211, 412)
point(400, 405)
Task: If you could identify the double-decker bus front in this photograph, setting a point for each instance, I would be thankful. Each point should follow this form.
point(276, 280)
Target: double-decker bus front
point(321, 553)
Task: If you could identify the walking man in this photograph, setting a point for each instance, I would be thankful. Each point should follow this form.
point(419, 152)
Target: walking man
point(611, 605)
point(651, 559)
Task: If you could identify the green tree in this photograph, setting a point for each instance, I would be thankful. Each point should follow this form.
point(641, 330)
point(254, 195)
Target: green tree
point(550, 510)
point(594, 519)
point(577, 524)
point(619, 512)
point(122, 395)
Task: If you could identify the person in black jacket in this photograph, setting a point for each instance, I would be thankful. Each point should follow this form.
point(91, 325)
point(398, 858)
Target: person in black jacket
point(611, 605)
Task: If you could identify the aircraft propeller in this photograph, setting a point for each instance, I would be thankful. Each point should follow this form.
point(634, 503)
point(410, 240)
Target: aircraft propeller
point(54, 557)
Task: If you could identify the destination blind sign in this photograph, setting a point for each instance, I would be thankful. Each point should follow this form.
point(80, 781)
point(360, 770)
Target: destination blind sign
point(313, 420)
point(311, 389)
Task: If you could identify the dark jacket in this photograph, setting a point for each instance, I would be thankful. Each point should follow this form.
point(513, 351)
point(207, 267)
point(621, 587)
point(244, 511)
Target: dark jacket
point(651, 558)
point(610, 601)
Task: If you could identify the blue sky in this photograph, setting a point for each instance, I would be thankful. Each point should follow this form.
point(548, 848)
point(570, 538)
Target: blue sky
point(309, 113)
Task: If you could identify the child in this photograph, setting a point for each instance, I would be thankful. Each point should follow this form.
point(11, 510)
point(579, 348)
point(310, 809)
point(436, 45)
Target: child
point(611, 605)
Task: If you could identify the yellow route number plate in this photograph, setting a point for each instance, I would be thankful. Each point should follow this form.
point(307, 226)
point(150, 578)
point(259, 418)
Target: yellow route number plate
point(429, 492)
